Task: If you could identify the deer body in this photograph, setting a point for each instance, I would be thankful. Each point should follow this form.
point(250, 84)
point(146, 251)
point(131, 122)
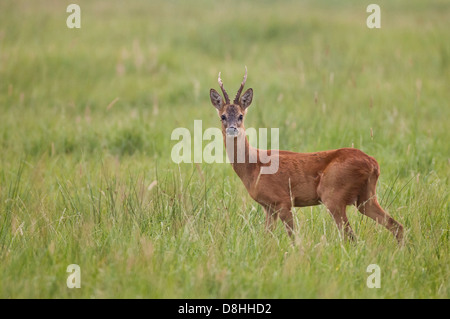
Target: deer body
point(335, 178)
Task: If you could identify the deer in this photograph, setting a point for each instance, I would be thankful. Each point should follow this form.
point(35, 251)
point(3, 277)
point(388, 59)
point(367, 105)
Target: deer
point(335, 178)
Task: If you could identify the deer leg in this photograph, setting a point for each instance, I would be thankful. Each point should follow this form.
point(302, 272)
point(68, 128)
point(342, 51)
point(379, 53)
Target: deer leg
point(368, 205)
point(336, 197)
point(271, 217)
point(286, 217)
point(372, 209)
point(340, 217)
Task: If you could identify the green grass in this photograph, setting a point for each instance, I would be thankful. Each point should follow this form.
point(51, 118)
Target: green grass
point(75, 168)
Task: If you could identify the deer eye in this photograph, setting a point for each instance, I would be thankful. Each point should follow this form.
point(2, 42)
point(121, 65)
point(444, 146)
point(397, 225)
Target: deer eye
point(241, 117)
point(223, 117)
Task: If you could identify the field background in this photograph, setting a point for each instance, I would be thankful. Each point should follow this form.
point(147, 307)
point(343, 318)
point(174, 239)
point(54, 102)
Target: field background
point(86, 119)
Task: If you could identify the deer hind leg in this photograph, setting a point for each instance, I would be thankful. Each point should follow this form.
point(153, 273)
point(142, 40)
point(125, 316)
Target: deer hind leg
point(338, 211)
point(371, 208)
point(336, 202)
point(368, 205)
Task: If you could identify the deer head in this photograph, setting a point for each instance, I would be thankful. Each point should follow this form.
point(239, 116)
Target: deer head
point(232, 114)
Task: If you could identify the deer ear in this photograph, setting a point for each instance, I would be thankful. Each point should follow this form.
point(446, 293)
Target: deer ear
point(216, 99)
point(246, 99)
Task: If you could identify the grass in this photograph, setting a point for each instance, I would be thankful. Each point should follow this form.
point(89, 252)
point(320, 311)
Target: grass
point(87, 116)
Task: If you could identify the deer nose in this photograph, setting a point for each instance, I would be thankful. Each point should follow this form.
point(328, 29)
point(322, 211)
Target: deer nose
point(232, 131)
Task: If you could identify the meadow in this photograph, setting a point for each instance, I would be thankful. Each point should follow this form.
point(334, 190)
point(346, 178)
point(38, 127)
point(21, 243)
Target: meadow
point(86, 175)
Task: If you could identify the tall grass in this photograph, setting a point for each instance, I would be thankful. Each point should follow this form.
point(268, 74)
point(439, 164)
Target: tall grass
point(85, 170)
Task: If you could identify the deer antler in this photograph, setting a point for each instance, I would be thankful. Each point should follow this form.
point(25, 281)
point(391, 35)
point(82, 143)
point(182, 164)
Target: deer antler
point(238, 94)
point(225, 94)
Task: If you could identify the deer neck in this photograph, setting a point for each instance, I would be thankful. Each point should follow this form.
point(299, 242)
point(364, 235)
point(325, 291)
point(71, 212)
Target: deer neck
point(242, 157)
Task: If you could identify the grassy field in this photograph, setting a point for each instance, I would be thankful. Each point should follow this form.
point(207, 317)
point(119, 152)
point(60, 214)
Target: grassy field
point(86, 175)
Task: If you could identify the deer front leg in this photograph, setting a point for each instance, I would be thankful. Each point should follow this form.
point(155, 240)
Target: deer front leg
point(285, 213)
point(271, 218)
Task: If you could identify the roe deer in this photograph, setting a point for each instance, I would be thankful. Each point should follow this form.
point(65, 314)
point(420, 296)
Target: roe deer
point(335, 178)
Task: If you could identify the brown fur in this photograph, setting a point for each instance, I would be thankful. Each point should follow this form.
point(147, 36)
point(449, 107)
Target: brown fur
point(335, 178)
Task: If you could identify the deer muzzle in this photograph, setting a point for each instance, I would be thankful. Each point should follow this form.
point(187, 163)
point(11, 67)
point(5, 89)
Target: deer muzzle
point(232, 131)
